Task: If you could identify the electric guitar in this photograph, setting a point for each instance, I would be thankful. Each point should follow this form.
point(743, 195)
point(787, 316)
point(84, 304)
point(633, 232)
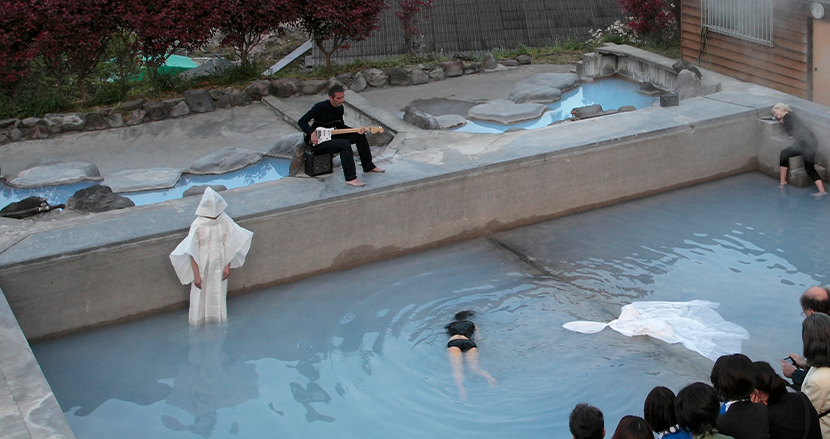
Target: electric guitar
point(324, 133)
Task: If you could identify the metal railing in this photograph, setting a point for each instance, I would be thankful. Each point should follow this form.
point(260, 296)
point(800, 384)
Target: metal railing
point(748, 20)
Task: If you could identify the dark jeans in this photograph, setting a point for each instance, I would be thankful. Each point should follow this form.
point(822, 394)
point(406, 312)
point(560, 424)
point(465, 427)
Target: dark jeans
point(342, 144)
point(796, 150)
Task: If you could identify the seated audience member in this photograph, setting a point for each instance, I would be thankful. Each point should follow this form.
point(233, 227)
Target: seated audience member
point(586, 422)
point(697, 409)
point(734, 380)
point(791, 415)
point(815, 333)
point(815, 299)
point(659, 412)
point(632, 427)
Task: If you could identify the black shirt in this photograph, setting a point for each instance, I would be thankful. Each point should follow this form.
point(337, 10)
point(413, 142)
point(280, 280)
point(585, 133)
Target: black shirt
point(798, 131)
point(464, 327)
point(325, 114)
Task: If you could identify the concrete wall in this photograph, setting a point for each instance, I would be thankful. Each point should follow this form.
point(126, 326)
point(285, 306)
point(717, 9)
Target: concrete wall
point(28, 408)
point(89, 287)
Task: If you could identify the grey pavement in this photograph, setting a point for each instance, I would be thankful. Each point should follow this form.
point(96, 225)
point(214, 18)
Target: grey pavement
point(167, 143)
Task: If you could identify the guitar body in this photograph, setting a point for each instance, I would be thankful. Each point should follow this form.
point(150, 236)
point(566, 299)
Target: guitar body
point(326, 127)
point(326, 130)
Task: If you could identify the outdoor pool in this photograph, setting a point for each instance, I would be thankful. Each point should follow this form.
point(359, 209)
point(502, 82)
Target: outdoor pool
point(611, 93)
point(267, 169)
point(361, 352)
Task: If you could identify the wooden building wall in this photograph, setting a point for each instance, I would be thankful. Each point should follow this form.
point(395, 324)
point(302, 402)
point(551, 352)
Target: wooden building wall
point(461, 26)
point(784, 67)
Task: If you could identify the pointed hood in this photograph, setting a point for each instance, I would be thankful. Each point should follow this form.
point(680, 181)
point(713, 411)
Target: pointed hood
point(212, 204)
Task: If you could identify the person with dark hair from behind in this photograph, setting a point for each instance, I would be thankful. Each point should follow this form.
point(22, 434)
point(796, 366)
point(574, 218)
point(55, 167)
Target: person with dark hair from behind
point(734, 380)
point(697, 409)
point(329, 114)
point(791, 415)
point(633, 427)
point(586, 422)
point(815, 333)
point(815, 299)
point(658, 411)
point(461, 346)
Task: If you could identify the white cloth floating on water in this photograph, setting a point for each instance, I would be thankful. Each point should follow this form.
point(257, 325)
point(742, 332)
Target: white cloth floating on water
point(695, 324)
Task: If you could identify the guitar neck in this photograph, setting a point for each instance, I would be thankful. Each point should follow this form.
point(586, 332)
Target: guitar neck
point(347, 131)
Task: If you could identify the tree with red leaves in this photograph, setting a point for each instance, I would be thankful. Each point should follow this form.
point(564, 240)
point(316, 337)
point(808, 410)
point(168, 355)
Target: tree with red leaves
point(649, 17)
point(19, 26)
point(339, 22)
point(408, 16)
point(162, 27)
point(74, 35)
point(247, 22)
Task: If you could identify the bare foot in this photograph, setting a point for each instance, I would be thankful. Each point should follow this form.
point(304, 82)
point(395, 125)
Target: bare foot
point(355, 183)
point(462, 394)
point(378, 170)
point(492, 381)
point(782, 184)
point(819, 194)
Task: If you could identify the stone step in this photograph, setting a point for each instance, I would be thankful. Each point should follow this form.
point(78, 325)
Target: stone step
point(798, 176)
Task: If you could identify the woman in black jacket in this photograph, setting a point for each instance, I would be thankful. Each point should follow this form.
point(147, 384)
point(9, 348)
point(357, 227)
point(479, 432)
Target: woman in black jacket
point(790, 414)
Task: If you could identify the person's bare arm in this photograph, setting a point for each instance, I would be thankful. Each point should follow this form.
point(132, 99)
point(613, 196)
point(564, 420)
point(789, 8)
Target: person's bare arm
point(197, 278)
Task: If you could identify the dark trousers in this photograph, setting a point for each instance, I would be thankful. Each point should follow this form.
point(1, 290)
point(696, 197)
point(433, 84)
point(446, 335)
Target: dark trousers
point(342, 144)
point(796, 150)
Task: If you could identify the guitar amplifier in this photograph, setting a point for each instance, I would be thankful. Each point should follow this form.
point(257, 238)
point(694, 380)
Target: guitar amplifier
point(669, 100)
point(317, 164)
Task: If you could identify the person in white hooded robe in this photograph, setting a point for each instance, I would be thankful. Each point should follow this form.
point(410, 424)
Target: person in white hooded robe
point(214, 245)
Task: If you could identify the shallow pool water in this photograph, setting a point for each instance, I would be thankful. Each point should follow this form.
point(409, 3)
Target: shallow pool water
point(611, 93)
point(267, 169)
point(361, 353)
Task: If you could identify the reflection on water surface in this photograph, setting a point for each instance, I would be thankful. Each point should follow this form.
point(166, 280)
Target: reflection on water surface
point(361, 353)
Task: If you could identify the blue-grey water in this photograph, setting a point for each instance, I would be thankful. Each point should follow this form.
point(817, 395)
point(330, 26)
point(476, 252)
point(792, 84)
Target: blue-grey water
point(361, 353)
point(611, 93)
point(267, 169)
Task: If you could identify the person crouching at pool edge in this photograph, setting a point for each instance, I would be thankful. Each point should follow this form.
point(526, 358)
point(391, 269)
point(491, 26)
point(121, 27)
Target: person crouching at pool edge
point(804, 144)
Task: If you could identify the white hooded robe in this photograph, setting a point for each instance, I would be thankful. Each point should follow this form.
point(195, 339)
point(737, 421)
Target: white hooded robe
point(214, 241)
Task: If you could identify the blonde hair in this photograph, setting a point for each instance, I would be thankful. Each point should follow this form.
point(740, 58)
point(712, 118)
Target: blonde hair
point(781, 106)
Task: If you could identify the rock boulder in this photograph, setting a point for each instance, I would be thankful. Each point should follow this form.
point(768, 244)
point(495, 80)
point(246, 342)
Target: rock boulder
point(97, 198)
point(225, 160)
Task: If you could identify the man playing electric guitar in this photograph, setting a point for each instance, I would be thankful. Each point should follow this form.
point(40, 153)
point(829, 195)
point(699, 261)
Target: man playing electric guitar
point(329, 114)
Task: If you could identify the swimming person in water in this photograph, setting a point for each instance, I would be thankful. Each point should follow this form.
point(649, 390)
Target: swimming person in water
point(461, 346)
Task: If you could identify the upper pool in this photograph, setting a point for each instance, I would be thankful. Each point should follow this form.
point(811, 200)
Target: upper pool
point(267, 169)
point(611, 93)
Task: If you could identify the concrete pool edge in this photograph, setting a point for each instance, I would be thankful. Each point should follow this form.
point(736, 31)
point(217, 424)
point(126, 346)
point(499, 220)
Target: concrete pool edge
point(115, 253)
point(28, 408)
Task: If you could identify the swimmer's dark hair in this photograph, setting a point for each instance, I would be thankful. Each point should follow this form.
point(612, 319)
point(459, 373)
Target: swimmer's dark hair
point(767, 381)
point(586, 422)
point(464, 315)
point(697, 408)
point(336, 88)
point(658, 409)
point(733, 377)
